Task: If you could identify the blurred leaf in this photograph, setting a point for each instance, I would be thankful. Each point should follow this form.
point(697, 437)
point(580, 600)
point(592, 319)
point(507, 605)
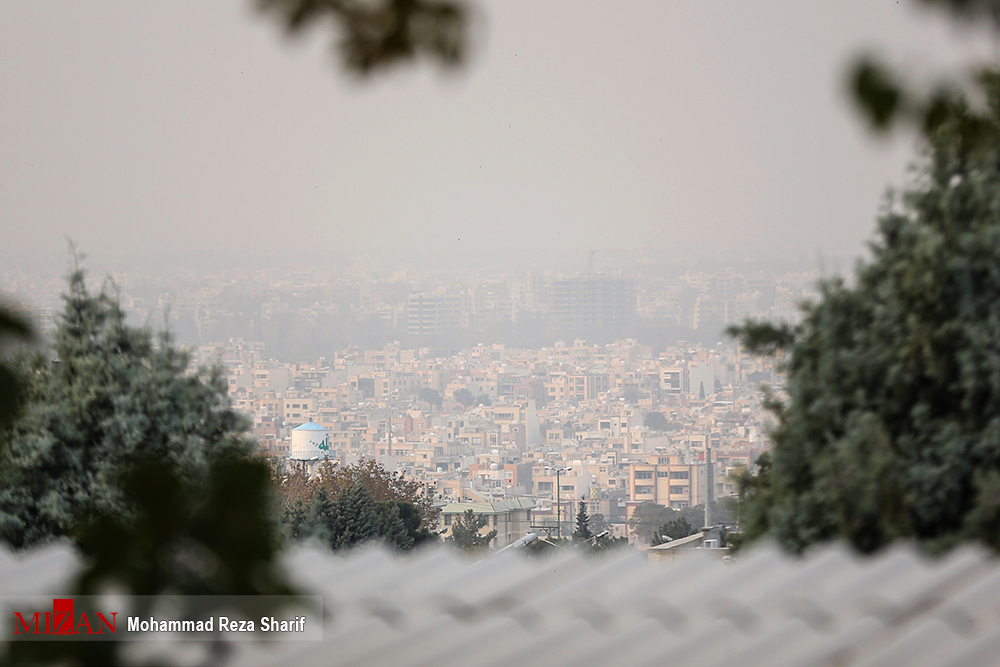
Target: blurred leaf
point(937, 112)
point(13, 325)
point(762, 338)
point(970, 10)
point(375, 35)
point(11, 386)
point(876, 93)
point(204, 536)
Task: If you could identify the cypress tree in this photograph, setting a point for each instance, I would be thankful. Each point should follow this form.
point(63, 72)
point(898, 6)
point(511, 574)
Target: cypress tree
point(582, 531)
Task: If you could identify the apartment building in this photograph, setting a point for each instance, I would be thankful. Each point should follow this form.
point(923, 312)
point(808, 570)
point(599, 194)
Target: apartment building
point(675, 485)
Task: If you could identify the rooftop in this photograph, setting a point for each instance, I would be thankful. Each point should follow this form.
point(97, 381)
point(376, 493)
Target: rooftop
point(766, 609)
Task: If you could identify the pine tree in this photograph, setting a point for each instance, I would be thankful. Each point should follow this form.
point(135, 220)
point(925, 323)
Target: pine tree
point(356, 518)
point(391, 527)
point(113, 395)
point(891, 429)
point(582, 532)
point(316, 519)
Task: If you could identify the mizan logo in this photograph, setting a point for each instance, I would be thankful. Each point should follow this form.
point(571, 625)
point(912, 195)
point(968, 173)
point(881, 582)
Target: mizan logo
point(62, 621)
point(325, 445)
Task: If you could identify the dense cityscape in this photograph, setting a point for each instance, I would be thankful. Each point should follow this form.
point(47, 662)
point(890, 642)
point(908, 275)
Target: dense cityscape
point(624, 422)
point(447, 333)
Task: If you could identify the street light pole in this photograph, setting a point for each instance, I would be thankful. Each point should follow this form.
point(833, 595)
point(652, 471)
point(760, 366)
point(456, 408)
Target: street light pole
point(558, 508)
point(558, 472)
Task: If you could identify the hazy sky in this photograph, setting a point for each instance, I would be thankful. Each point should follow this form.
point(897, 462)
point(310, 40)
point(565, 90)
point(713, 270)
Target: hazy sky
point(706, 129)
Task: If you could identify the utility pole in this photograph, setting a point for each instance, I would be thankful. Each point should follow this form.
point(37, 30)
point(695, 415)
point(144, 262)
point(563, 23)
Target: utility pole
point(558, 472)
point(711, 482)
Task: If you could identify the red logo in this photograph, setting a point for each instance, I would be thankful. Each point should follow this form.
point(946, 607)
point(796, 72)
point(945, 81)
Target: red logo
point(62, 621)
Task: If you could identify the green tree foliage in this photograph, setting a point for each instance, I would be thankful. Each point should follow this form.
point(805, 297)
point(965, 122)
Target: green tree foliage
point(892, 424)
point(723, 511)
point(391, 527)
point(356, 520)
point(333, 505)
point(606, 544)
point(384, 486)
point(465, 532)
point(886, 100)
point(647, 518)
point(13, 327)
point(208, 536)
point(182, 537)
point(141, 463)
point(655, 421)
point(413, 522)
point(582, 531)
point(465, 397)
point(674, 529)
point(377, 34)
point(429, 395)
point(113, 395)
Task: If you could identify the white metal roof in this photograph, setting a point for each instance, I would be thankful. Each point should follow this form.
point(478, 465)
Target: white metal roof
point(767, 609)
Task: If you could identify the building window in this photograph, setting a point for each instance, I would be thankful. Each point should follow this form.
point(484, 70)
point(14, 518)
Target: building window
point(664, 460)
point(662, 473)
point(678, 474)
point(643, 474)
point(678, 489)
point(447, 519)
point(643, 489)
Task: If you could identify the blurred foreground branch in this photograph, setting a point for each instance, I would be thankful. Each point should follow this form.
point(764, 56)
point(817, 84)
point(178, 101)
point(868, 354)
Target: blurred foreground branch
point(377, 34)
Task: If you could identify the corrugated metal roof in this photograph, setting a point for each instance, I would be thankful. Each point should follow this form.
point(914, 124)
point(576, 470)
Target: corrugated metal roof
point(493, 507)
point(680, 542)
point(832, 608)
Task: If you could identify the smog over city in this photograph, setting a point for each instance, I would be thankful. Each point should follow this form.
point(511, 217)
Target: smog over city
point(341, 301)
